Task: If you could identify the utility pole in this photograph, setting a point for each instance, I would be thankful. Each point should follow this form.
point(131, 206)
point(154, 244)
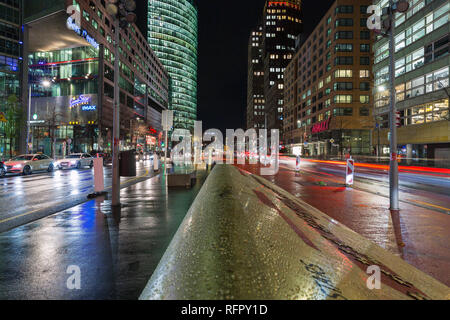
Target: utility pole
point(167, 123)
point(393, 164)
point(116, 119)
point(386, 28)
point(28, 120)
point(122, 13)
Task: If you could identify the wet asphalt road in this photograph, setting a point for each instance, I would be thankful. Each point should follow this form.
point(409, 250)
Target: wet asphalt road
point(116, 256)
point(27, 198)
point(428, 190)
point(422, 225)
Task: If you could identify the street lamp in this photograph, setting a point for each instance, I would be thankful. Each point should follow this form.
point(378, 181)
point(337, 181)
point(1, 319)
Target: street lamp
point(389, 31)
point(45, 84)
point(121, 12)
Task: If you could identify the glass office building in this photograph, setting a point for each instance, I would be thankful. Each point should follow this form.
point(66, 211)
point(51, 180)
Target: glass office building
point(422, 60)
point(71, 76)
point(173, 36)
point(10, 68)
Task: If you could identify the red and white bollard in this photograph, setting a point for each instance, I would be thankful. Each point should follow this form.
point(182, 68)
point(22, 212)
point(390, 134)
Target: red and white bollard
point(350, 172)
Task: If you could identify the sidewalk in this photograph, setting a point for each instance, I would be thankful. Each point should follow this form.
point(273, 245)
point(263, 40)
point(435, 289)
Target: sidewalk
point(424, 232)
point(116, 256)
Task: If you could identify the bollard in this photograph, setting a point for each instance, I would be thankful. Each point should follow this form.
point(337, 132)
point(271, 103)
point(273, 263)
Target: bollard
point(155, 163)
point(99, 181)
point(350, 172)
point(297, 164)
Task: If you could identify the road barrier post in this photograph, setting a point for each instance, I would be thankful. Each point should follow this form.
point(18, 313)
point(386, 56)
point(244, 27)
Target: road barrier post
point(350, 172)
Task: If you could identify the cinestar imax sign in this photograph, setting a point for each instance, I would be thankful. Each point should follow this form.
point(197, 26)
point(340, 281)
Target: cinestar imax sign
point(82, 101)
point(72, 25)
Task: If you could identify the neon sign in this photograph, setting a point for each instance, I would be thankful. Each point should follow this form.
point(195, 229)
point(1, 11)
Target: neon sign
point(321, 126)
point(81, 32)
point(81, 100)
point(89, 108)
point(84, 102)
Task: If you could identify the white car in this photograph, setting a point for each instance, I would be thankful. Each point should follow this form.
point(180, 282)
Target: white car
point(76, 160)
point(28, 163)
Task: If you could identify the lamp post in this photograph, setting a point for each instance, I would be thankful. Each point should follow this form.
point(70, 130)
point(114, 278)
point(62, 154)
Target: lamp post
point(393, 164)
point(121, 11)
point(45, 84)
point(388, 26)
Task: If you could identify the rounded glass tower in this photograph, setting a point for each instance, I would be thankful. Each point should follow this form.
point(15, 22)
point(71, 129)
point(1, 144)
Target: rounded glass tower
point(173, 36)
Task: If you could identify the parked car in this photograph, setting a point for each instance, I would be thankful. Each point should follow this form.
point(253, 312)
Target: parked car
point(76, 160)
point(107, 158)
point(28, 163)
point(2, 169)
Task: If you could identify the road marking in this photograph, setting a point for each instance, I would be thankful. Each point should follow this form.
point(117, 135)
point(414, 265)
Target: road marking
point(420, 204)
point(61, 202)
point(431, 205)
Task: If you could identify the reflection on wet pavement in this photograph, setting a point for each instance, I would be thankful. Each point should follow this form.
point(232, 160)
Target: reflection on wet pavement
point(116, 252)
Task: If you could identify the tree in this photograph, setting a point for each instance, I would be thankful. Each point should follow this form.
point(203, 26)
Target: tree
point(52, 121)
point(15, 122)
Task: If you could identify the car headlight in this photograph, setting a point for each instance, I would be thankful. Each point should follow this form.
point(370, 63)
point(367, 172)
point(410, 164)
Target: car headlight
point(18, 166)
point(73, 162)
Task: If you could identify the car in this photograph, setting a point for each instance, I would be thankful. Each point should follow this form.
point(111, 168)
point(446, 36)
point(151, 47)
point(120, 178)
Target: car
point(76, 160)
point(2, 169)
point(107, 159)
point(28, 163)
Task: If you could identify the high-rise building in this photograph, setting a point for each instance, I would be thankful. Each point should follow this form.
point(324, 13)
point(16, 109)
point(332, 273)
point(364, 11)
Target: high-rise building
point(328, 85)
point(10, 69)
point(71, 80)
point(255, 81)
point(422, 60)
point(282, 25)
point(173, 36)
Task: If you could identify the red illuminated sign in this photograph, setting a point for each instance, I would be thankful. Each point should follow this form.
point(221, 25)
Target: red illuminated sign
point(321, 126)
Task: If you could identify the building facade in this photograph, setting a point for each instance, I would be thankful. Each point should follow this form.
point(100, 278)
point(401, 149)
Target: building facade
point(71, 74)
point(328, 86)
point(422, 61)
point(173, 36)
point(255, 81)
point(10, 73)
point(282, 25)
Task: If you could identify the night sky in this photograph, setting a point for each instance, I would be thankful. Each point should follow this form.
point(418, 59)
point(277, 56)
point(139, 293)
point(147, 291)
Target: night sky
point(224, 31)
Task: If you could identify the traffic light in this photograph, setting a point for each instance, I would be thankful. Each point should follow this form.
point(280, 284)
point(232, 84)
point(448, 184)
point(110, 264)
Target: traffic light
point(122, 10)
point(398, 119)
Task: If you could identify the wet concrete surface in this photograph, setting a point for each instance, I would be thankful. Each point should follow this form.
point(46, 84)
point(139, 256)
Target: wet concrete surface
point(424, 232)
point(26, 198)
point(245, 238)
point(116, 257)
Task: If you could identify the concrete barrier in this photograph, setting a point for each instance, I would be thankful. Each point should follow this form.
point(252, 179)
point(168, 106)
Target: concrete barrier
point(245, 238)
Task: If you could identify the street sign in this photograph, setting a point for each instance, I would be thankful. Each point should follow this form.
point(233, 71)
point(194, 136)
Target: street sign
point(2, 117)
point(350, 172)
